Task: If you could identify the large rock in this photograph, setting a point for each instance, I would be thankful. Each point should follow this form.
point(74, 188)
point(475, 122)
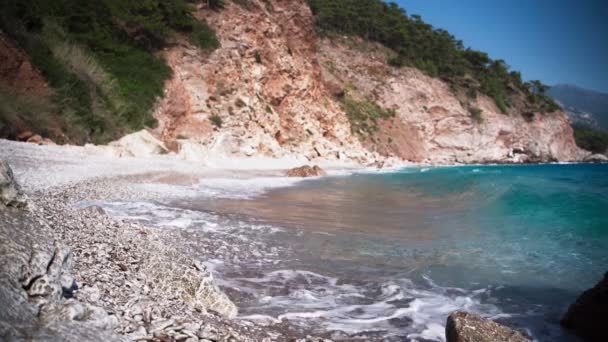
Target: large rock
point(306, 171)
point(140, 144)
point(10, 192)
point(588, 316)
point(36, 284)
point(468, 327)
point(596, 158)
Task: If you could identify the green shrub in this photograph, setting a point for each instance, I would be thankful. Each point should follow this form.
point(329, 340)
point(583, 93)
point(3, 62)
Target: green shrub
point(476, 114)
point(472, 93)
point(418, 44)
point(203, 36)
point(246, 4)
point(258, 58)
point(364, 115)
point(501, 104)
point(591, 139)
point(100, 57)
point(21, 110)
point(216, 120)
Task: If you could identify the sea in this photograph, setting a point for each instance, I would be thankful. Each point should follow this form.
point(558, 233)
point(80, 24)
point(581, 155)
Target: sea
point(387, 256)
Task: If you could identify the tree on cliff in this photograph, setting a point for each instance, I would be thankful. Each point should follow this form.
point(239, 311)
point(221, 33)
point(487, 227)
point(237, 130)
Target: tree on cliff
point(434, 51)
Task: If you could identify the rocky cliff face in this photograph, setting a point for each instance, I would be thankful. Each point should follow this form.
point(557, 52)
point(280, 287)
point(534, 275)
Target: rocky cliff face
point(275, 89)
point(264, 83)
point(432, 123)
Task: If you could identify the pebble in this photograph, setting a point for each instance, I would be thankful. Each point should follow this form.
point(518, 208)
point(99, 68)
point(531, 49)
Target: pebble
point(123, 266)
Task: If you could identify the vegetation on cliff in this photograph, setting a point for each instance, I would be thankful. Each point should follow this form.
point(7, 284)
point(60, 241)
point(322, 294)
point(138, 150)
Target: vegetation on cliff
point(590, 139)
point(100, 57)
point(363, 115)
point(435, 51)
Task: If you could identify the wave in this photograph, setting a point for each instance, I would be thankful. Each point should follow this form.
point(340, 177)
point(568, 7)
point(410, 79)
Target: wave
point(395, 308)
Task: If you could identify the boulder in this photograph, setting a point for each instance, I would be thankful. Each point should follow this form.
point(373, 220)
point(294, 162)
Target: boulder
point(35, 139)
point(10, 192)
point(306, 171)
point(140, 144)
point(588, 316)
point(596, 158)
point(38, 140)
point(468, 327)
point(24, 136)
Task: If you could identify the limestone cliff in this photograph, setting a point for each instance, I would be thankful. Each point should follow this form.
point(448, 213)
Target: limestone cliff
point(275, 89)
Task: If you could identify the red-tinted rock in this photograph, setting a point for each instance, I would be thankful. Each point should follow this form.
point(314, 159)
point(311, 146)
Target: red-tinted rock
point(306, 171)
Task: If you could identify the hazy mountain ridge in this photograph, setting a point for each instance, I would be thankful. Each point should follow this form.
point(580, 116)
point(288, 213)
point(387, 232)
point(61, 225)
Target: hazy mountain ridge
point(582, 105)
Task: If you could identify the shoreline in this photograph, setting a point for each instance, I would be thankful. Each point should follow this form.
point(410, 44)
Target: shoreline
point(92, 162)
point(117, 262)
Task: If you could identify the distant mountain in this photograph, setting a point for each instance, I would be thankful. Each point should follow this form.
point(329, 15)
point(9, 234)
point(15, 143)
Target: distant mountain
point(582, 105)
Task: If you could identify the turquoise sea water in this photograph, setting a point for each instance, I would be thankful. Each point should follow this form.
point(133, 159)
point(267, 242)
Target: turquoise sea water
point(516, 243)
point(387, 256)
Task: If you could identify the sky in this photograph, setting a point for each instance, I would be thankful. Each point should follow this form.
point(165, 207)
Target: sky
point(555, 41)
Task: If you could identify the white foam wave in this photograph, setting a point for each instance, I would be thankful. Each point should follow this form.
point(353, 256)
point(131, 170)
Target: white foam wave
point(397, 308)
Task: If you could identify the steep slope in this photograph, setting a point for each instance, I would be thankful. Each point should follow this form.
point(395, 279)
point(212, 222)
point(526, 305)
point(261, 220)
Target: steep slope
point(436, 125)
point(24, 95)
point(264, 84)
point(275, 89)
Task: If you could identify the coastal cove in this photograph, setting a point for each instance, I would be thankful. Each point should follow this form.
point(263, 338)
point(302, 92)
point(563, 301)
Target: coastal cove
point(390, 255)
point(302, 171)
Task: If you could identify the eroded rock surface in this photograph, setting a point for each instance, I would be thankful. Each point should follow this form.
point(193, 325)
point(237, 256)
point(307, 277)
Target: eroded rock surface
point(139, 144)
point(10, 191)
point(468, 327)
point(279, 91)
point(596, 158)
point(588, 316)
point(36, 284)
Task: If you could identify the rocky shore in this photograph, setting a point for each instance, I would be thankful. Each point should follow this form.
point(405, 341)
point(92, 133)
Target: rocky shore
point(77, 274)
point(70, 271)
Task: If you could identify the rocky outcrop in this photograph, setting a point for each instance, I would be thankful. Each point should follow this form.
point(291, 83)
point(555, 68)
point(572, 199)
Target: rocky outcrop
point(432, 123)
point(37, 284)
point(139, 144)
point(278, 90)
point(70, 274)
point(272, 106)
point(468, 327)
point(306, 171)
point(10, 191)
point(588, 316)
point(38, 140)
point(596, 158)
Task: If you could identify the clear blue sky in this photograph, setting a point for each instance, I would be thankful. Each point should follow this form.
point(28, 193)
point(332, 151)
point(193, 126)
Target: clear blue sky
point(555, 41)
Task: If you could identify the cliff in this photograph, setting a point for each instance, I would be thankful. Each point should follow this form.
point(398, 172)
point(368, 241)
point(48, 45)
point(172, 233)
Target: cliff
point(275, 89)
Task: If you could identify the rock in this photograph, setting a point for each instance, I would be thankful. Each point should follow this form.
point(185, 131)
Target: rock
point(138, 334)
point(35, 139)
point(140, 144)
point(306, 171)
point(10, 191)
point(467, 327)
point(24, 136)
point(94, 209)
point(588, 316)
point(37, 283)
point(160, 325)
point(596, 158)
